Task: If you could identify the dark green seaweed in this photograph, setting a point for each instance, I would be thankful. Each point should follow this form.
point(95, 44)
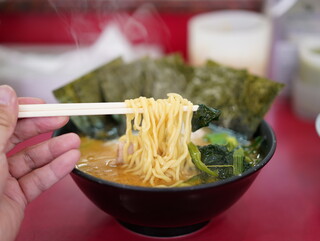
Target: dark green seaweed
point(242, 98)
point(167, 75)
point(87, 89)
point(204, 116)
point(123, 81)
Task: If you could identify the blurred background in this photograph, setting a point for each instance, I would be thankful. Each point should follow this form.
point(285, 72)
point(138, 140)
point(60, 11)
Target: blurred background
point(46, 43)
point(81, 21)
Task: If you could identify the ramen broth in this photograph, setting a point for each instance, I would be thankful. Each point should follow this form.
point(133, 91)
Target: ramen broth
point(99, 159)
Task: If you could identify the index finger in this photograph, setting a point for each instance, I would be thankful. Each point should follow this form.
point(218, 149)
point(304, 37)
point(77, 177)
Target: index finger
point(30, 127)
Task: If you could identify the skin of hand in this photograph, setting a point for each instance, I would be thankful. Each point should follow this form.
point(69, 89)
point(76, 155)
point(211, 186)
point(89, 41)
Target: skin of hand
point(28, 173)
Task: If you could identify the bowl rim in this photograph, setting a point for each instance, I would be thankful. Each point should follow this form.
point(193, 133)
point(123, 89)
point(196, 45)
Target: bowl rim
point(219, 183)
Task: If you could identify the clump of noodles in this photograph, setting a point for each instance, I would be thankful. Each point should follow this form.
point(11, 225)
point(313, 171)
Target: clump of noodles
point(160, 148)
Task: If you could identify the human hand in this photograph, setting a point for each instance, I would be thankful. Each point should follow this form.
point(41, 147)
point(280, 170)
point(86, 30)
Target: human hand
point(25, 175)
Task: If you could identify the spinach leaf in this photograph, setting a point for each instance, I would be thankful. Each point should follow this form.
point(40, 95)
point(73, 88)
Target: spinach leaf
point(201, 178)
point(238, 157)
point(216, 155)
point(196, 159)
point(218, 158)
point(213, 161)
point(223, 139)
point(251, 152)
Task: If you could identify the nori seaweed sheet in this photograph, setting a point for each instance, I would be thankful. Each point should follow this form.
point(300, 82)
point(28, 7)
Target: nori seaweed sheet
point(123, 81)
point(166, 76)
point(242, 98)
point(87, 89)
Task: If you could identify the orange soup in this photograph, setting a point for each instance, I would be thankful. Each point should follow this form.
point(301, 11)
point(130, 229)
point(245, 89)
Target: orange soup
point(99, 159)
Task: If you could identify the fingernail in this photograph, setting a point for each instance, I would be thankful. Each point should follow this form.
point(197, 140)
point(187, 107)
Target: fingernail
point(6, 95)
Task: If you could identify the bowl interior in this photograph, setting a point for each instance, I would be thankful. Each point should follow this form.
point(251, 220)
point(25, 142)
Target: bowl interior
point(267, 152)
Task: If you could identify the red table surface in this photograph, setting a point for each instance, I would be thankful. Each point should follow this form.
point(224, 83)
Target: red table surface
point(282, 204)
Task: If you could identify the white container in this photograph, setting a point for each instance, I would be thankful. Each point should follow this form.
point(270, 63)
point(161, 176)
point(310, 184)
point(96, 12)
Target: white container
point(306, 99)
point(237, 38)
point(306, 87)
point(309, 60)
point(318, 124)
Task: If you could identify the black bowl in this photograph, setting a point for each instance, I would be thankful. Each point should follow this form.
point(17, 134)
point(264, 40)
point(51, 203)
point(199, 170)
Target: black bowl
point(170, 211)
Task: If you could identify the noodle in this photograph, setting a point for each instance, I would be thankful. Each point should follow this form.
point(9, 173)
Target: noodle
point(160, 150)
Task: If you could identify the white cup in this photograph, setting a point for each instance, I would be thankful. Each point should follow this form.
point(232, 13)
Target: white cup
point(236, 38)
point(318, 124)
point(306, 85)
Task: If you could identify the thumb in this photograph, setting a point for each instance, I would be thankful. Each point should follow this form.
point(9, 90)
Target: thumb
point(8, 120)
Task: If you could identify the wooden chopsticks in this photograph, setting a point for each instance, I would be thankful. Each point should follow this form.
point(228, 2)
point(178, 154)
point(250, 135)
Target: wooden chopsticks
point(76, 109)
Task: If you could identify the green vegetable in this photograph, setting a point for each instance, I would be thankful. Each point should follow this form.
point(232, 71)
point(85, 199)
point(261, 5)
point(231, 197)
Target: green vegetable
point(193, 181)
point(204, 116)
point(251, 151)
point(218, 158)
point(223, 139)
point(227, 155)
point(201, 178)
point(196, 158)
point(238, 157)
point(215, 155)
point(212, 160)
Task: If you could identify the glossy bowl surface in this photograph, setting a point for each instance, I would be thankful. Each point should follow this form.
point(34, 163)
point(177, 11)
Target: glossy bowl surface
point(170, 207)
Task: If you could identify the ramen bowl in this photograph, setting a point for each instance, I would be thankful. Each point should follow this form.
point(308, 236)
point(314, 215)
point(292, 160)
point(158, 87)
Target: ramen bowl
point(170, 211)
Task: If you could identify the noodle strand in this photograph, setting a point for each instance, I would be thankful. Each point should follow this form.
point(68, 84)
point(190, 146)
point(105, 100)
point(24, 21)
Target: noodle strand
point(160, 148)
